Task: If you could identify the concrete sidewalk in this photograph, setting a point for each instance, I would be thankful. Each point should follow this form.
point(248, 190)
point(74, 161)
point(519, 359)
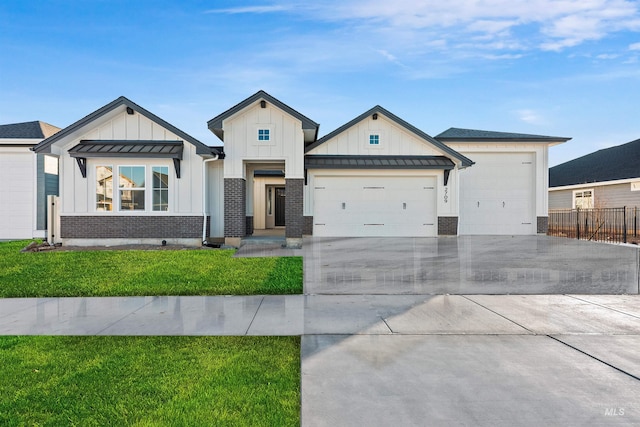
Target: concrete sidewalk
point(380, 360)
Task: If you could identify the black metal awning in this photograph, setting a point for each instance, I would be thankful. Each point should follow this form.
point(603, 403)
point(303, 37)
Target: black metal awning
point(318, 161)
point(91, 148)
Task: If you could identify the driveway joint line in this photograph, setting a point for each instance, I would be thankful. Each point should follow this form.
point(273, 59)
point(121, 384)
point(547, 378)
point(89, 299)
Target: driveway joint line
point(385, 322)
point(124, 317)
point(254, 316)
point(595, 358)
point(603, 306)
point(501, 315)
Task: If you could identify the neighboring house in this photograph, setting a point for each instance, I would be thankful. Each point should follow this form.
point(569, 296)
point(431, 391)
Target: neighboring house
point(127, 176)
point(607, 178)
point(25, 180)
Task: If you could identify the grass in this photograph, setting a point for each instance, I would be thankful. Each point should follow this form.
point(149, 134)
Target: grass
point(144, 381)
point(138, 273)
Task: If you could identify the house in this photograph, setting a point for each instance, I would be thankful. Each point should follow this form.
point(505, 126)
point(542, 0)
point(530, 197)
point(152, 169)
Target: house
point(25, 180)
point(606, 178)
point(127, 176)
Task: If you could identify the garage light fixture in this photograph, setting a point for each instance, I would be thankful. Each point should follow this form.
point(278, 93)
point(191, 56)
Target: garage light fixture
point(129, 111)
point(375, 116)
point(263, 104)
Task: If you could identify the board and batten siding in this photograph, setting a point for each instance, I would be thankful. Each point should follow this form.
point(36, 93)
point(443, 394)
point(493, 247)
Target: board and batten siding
point(241, 146)
point(77, 194)
point(394, 140)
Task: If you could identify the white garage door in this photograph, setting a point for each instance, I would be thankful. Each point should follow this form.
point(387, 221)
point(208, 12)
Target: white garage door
point(374, 206)
point(497, 194)
point(16, 195)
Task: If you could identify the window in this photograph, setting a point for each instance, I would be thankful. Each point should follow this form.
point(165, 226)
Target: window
point(264, 135)
point(104, 188)
point(131, 183)
point(583, 199)
point(374, 139)
point(160, 188)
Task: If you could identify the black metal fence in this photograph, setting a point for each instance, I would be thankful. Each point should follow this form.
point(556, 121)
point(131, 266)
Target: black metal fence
point(619, 225)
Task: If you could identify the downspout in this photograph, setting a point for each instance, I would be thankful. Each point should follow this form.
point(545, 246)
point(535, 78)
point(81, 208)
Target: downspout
point(205, 202)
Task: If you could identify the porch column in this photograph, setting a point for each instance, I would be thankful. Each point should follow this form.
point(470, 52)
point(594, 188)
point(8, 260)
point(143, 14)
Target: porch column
point(235, 207)
point(293, 212)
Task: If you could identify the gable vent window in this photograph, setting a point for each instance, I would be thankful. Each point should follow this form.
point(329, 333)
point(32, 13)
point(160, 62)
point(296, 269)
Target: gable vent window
point(264, 135)
point(374, 139)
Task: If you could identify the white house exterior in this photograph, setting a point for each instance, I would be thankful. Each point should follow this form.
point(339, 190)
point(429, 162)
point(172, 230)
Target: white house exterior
point(25, 180)
point(127, 176)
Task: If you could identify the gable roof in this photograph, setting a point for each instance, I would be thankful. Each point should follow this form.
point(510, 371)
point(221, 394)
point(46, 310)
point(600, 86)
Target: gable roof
point(378, 109)
point(45, 146)
point(458, 134)
point(215, 124)
point(27, 130)
point(609, 164)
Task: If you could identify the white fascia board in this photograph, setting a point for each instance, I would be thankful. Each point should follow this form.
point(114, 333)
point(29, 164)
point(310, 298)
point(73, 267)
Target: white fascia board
point(595, 184)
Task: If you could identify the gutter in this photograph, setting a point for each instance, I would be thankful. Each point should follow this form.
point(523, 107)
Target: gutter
point(205, 202)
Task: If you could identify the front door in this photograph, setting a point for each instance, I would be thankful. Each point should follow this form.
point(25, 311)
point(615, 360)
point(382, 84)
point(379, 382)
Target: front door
point(280, 194)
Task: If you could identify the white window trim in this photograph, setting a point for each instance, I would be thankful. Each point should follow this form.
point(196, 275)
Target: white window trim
point(583, 190)
point(148, 197)
point(264, 126)
point(381, 139)
point(153, 189)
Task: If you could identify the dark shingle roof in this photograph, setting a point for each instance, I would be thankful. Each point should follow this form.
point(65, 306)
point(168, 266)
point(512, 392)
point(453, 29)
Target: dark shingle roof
point(317, 161)
point(458, 134)
point(378, 109)
point(27, 130)
point(609, 164)
point(215, 124)
point(44, 146)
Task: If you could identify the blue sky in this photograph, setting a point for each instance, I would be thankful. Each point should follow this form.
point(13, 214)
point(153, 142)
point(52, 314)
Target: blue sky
point(550, 67)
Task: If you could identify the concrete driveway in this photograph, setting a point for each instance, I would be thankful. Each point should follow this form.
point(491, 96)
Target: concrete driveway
point(468, 265)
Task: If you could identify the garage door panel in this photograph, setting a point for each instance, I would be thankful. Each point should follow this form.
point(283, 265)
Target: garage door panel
point(374, 206)
point(16, 195)
point(497, 194)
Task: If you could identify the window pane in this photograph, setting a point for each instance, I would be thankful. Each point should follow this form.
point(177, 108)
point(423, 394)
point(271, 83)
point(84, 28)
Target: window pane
point(104, 188)
point(131, 177)
point(132, 200)
point(160, 194)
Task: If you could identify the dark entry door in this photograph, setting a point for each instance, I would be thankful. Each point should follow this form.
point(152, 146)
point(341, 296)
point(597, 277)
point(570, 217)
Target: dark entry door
point(280, 194)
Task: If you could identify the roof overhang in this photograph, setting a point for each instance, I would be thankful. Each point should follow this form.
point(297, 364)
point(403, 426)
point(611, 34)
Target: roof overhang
point(91, 148)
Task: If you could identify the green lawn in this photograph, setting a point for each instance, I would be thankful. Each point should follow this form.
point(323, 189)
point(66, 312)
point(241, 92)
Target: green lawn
point(136, 272)
point(144, 381)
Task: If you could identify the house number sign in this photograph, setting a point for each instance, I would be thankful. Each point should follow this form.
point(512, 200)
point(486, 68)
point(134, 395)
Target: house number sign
point(446, 194)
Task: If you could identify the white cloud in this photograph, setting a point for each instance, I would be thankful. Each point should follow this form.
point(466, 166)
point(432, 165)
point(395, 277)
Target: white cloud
point(634, 46)
point(607, 56)
point(250, 9)
point(530, 116)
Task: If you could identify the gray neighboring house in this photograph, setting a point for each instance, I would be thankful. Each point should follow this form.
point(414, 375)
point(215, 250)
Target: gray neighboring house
point(26, 179)
point(606, 178)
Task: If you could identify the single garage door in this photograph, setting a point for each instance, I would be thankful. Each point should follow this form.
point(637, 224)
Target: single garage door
point(16, 195)
point(497, 194)
point(373, 206)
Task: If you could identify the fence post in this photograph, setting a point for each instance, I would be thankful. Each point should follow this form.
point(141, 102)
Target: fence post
point(578, 223)
point(624, 220)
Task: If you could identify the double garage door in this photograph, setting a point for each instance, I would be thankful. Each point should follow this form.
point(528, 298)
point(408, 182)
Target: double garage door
point(372, 206)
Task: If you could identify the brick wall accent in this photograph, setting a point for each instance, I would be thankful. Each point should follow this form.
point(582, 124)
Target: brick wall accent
point(447, 225)
point(307, 227)
point(249, 225)
point(134, 227)
point(235, 207)
point(293, 207)
point(543, 224)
